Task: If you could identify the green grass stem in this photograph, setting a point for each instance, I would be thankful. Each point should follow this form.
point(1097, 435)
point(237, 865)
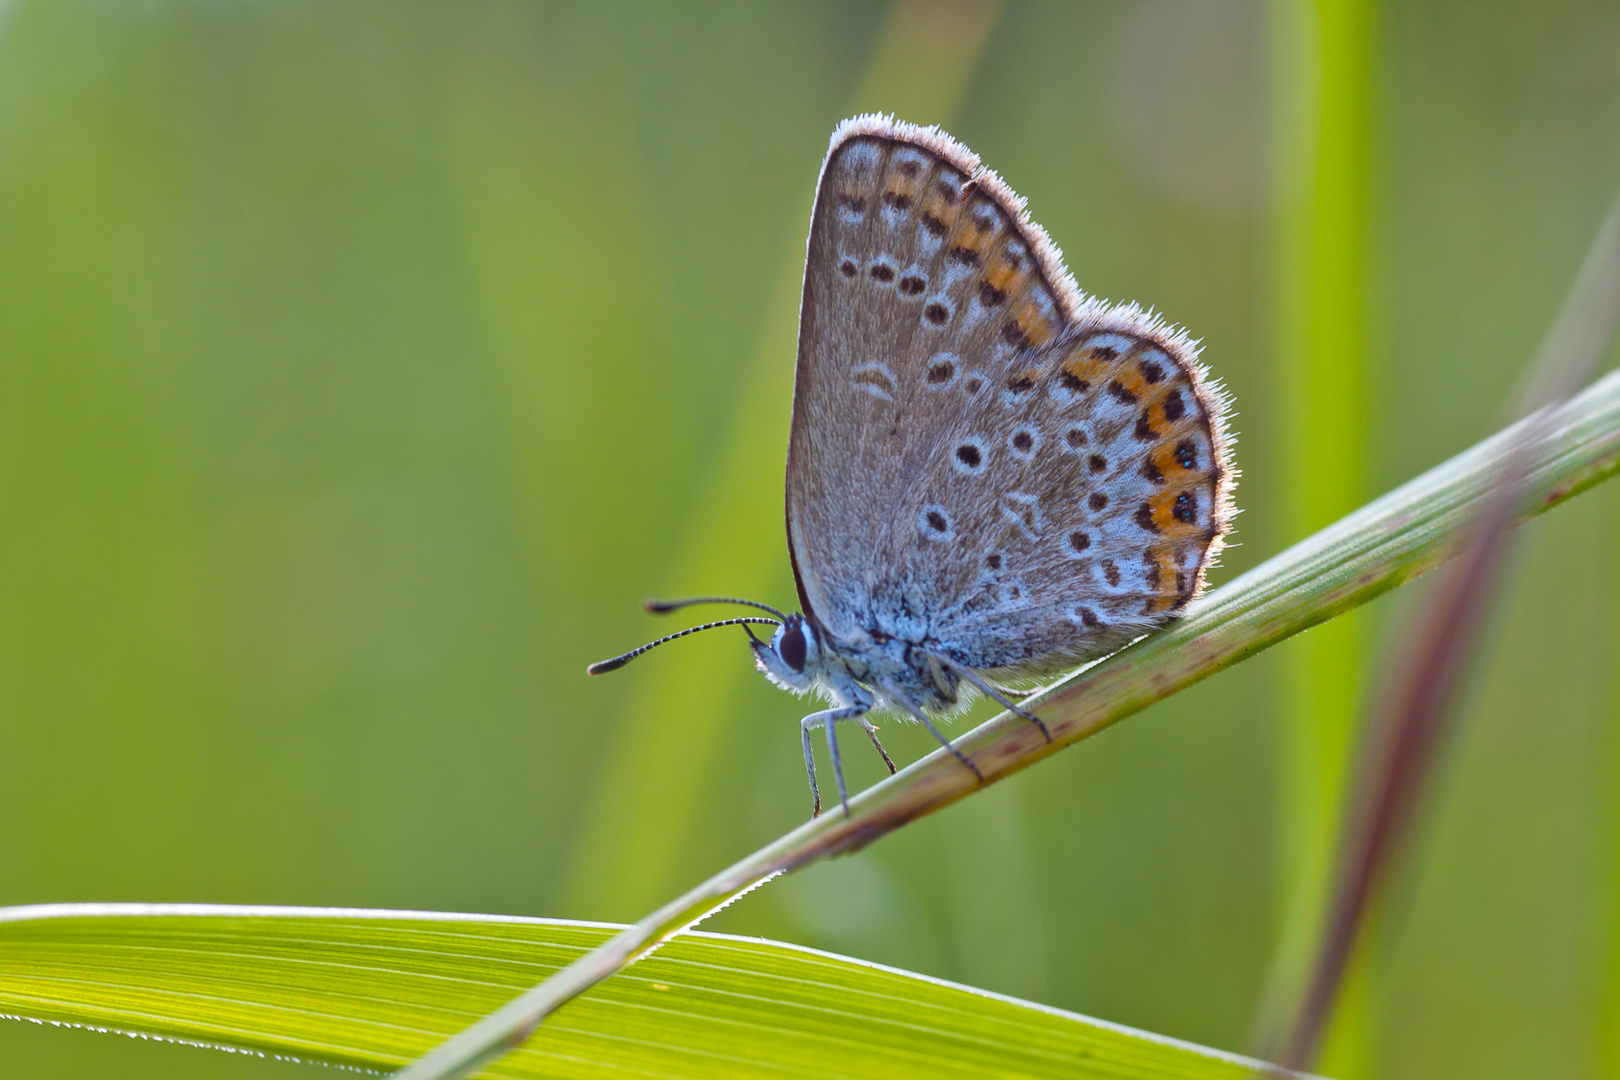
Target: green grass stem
point(1322, 106)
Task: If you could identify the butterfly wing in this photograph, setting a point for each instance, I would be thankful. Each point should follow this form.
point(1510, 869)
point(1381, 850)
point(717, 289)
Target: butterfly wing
point(980, 457)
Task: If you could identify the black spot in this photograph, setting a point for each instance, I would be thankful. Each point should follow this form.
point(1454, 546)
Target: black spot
point(1089, 617)
point(912, 285)
point(934, 225)
point(1144, 518)
point(1075, 438)
point(1079, 541)
point(1144, 430)
point(1150, 471)
point(936, 313)
point(993, 560)
point(1118, 389)
point(985, 222)
point(1014, 335)
point(882, 272)
point(1013, 260)
point(950, 191)
point(1174, 407)
point(1152, 572)
point(1187, 454)
point(1151, 371)
point(852, 202)
point(848, 268)
point(910, 168)
point(897, 199)
point(972, 384)
point(941, 371)
point(1070, 381)
point(969, 455)
point(1181, 583)
point(1105, 353)
point(1185, 509)
point(937, 522)
point(1023, 442)
point(1110, 571)
point(1021, 384)
point(791, 648)
point(1097, 501)
point(1098, 463)
point(965, 255)
point(990, 296)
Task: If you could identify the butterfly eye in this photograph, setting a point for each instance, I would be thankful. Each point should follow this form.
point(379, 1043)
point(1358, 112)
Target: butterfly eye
point(791, 648)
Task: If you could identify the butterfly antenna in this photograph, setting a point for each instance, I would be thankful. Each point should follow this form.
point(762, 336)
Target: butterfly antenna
point(603, 666)
point(663, 607)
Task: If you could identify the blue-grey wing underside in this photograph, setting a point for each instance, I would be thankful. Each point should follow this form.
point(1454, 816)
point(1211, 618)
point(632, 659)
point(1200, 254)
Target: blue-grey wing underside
point(981, 456)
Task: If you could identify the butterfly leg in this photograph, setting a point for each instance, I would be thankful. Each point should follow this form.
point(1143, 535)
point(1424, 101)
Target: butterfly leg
point(810, 767)
point(992, 691)
point(871, 733)
point(922, 718)
point(827, 718)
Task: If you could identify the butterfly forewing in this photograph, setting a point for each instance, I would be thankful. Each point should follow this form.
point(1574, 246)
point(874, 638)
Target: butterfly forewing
point(981, 458)
point(897, 313)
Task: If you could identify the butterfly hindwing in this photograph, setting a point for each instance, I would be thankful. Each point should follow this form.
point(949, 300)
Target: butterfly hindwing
point(958, 411)
point(1091, 513)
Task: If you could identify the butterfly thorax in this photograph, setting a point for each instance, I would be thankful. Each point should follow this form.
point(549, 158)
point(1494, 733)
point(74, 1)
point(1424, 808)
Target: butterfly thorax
point(863, 668)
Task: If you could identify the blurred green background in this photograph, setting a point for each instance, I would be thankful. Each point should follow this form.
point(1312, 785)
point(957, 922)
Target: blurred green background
point(362, 366)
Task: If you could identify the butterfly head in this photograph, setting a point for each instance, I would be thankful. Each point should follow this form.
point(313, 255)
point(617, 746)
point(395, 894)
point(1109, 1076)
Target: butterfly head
point(792, 657)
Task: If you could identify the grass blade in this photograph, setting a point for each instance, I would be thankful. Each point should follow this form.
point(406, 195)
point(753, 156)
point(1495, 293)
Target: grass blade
point(1431, 667)
point(368, 988)
point(1381, 546)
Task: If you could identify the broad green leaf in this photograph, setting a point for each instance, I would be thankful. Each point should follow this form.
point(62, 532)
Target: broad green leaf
point(375, 988)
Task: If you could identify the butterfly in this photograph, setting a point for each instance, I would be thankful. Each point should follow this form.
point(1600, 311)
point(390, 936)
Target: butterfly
point(990, 476)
